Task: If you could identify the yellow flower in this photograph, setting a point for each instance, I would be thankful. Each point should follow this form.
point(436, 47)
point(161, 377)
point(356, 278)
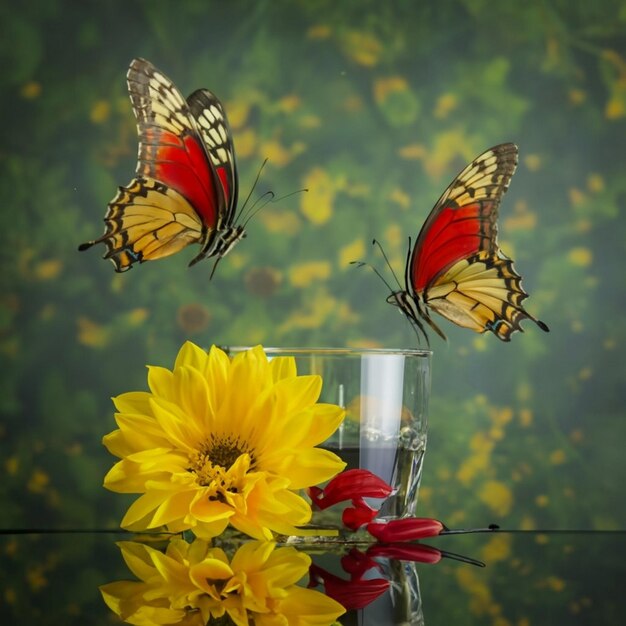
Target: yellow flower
point(319, 31)
point(303, 274)
point(246, 143)
point(582, 257)
point(385, 87)
point(317, 204)
point(49, 269)
point(352, 251)
point(446, 103)
point(92, 334)
point(100, 112)
point(30, 90)
point(217, 441)
point(497, 496)
point(412, 151)
point(196, 584)
point(363, 48)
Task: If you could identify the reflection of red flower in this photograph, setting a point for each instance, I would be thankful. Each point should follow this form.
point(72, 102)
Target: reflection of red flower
point(355, 593)
point(406, 552)
point(358, 592)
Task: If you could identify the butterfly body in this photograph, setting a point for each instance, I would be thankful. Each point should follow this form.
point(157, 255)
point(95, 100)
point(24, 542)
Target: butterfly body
point(456, 267)
point(185, 187)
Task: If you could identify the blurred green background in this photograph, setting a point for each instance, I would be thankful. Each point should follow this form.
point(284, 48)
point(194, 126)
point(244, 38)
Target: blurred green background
point(373, 107)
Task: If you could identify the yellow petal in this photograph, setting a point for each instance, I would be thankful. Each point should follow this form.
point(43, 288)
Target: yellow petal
point(283, 367)
point(174, 508)
point(307, 606)
point(206, 510)
point(216, 373)
point(137, 558)
point(252, 556)
point(142, 509)
point(178, 428)
point(191, 355)
point(133, 402)
point(210, 569)
point(301, 392)
point(286, 566)
point(160, 381)
point(192, 395)
point(326, 419)
point(138, 433)
point(313, 466)
point(208, 530)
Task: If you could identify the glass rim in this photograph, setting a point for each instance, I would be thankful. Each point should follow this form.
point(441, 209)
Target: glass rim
point(329, 351)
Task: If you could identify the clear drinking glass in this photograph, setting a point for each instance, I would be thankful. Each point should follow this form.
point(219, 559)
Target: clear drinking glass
point(385, 394)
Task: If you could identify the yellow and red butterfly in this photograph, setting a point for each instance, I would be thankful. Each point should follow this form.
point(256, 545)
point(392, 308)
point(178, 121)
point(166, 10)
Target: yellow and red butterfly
point(185, 186)
point(456, 267)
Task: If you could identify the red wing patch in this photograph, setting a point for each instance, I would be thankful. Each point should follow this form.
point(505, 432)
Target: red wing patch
point(456, 267)
point(170, 147)
point(463, 221)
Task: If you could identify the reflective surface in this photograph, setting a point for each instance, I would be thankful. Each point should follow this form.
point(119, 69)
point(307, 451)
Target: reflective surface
point(528, 578)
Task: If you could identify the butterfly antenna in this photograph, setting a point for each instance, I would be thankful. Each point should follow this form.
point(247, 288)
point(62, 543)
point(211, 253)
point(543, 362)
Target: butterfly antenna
point(263, 201)
point(251, 213)
point(377, 243)
point(256, 180)
point(364, 264)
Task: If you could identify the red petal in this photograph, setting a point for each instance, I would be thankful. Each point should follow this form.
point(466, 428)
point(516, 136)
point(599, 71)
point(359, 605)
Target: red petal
point(351, 485)
point(357, 516)
point(407, 529)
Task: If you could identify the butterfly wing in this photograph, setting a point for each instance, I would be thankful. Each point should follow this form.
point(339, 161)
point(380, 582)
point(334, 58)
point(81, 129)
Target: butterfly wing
point(456, 267)
point(147, 220)
point(178, 196)
point(171, 149)
point(213, 127)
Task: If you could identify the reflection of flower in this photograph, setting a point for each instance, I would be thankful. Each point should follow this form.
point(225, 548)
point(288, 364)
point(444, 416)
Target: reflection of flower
point(217, 441)
point(195, 584)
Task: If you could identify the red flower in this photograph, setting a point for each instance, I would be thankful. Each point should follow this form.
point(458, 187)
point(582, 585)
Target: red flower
point(359, 515)
point(354, 484)
point(406, 529)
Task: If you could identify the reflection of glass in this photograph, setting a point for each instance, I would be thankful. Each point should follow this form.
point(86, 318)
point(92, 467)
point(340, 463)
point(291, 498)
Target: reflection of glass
point(385, 394)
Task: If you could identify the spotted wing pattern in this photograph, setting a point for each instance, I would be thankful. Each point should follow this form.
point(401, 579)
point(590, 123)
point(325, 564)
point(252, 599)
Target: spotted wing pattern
point(456, 267)
point(213, 127)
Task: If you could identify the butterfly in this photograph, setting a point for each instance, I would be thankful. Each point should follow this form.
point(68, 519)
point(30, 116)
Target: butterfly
point(456, 267)
point(185, 186)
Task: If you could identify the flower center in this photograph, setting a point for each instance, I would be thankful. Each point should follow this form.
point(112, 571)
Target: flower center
point(225, 620)
point(215, 457)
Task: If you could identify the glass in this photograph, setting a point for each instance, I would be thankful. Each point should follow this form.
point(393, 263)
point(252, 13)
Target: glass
point(385, 394)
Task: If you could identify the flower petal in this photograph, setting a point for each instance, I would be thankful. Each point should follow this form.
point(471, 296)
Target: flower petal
point(406, 529)
point(283, 367)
